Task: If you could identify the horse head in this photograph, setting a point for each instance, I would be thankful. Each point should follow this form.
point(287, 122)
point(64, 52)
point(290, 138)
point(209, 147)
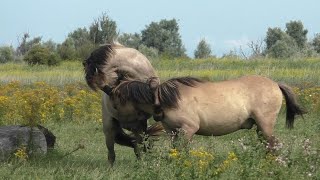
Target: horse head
point(94, 67)
point(110, 64)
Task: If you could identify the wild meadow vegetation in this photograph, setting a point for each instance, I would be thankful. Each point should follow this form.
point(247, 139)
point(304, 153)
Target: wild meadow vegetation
point(58, 98)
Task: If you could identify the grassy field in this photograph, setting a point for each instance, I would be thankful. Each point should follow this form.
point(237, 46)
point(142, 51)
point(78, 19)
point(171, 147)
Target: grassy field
point(71, 111)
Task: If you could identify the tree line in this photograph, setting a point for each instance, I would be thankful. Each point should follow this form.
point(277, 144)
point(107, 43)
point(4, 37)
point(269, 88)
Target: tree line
point(158, 40)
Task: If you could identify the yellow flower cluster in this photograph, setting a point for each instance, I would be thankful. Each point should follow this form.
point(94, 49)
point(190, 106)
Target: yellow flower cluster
point(41, 102)
point(21, 153)
point(201, 154)
point(200, 162)
point(226, 163)
point(174, 153)
point(199, 159)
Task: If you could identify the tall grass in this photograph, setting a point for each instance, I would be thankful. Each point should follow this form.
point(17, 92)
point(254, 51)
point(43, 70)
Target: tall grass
point(293, 72)
point(67, 72)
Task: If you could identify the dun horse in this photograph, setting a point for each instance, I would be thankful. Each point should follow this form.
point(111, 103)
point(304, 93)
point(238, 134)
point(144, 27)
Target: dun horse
point(104, 69)
point(209, 108)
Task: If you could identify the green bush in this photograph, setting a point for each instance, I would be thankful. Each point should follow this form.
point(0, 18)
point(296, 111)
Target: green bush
point(285, 47)
point(39, 55)
point(203, 50)
point(316, 43)
point(150, 52)
point(6, 54)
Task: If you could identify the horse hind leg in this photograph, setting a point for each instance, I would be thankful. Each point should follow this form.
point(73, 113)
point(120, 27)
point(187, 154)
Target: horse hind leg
point(265, 124)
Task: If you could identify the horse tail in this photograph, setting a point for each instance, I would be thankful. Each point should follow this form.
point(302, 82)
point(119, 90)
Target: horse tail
point(293, 108)
point(155, 129)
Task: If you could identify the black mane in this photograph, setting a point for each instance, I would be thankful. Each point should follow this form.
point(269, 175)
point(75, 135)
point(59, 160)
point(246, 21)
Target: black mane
point(135, 91)
point(141, 93)
point(169, 93)
point(96, 61)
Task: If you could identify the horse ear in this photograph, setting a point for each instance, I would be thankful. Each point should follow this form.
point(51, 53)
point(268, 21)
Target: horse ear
point(107, 89)
point(153, 82)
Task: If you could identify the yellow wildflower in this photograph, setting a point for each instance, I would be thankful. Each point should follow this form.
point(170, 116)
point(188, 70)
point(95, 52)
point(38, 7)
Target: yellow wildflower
point(232, 156)
point(226, 163)
point(21, 153)
point(174, 153)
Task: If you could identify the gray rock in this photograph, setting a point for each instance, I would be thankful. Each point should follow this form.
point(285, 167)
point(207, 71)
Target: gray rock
point(14, 137)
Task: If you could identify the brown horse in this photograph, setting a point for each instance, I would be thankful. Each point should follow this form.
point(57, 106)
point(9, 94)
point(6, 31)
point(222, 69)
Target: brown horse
point(209, 108)
point(104, 69)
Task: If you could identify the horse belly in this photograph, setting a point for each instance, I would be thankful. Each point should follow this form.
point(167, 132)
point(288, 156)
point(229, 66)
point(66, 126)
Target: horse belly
point(224, 122)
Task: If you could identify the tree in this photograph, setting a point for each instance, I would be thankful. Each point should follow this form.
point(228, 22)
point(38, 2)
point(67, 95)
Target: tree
point(257, 49)
point(280, 44)
point(150, 52)
point(130, 40)
point(79, 37)
point(296, 30)
point(81, 42)
point(103, 30)
point(25, 45)
point(67, 50)
point(316, 43)
point(273, 35)
point(286, 47)
point(203, 50)
point(6, 54)
point(165, 37)
point(52, 46)
point(40, 55)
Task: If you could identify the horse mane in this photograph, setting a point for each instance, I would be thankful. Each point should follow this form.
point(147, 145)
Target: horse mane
point(168, 91)
point(140, 92)
point(136, 91)
point(97, 60)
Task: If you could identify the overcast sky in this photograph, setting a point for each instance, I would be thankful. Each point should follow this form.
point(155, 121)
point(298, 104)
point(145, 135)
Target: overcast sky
point(225, 24)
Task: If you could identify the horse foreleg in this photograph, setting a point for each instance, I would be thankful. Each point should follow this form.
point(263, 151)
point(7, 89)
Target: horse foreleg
point(187, 134)
point(138, 141)
point(109, 138)
point(190, 129)
point(140, 136)
point(114, 134)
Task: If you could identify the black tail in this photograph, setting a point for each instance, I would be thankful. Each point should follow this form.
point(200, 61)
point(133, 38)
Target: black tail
point(293, 108)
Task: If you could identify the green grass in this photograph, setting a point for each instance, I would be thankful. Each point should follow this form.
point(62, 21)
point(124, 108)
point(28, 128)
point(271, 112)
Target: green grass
point(90, 162)
point(302, 159)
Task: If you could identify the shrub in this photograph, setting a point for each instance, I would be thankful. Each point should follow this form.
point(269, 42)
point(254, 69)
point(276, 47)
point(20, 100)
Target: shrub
point(203, 50)
point(286, 47)
point(42, 56)
point(6, 54)
point(150, 52)
point(316, 43)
